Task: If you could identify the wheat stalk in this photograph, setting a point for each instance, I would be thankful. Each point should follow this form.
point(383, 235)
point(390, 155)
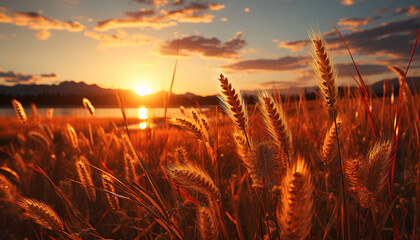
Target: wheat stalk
point(207, 223)
point(329, 148)
point(85, 178)
point(41, 214)
point(107, 183)
point(294, 211)
point(20, 112)
point(192, 177)
point(276, 124)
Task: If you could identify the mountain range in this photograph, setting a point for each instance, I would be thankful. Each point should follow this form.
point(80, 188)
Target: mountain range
point(70, 93)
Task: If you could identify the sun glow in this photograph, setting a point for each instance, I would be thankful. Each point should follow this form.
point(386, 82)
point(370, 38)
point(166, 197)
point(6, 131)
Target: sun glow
point(143, 90)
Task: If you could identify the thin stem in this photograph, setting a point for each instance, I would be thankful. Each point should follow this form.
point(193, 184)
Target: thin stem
point(345, 217)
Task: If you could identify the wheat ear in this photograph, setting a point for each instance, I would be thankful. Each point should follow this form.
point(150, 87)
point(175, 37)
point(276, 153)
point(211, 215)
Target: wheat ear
point(41, 214)
point(107, 183)
point(181, 155)
point(242, 146)
point(40, 138)
point(233, 104)
point(406, 89)
point(130, 168)
point(72, 136)
point(85, 178)
point(276, 124)
point(192, 177)
point(88, 105)
point(329, 148)
point(368, 176)
point(294, 211)
point(207, 223)
point(8, 191)
point(189, 125)
point(323, 67)
point(263, 164)
point(20, 112)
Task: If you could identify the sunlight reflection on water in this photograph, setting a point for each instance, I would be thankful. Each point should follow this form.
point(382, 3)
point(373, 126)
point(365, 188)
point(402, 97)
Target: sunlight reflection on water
point(143, 117)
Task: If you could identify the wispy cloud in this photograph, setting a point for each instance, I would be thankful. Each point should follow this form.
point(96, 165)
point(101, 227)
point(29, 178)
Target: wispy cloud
point(286, 63)
point(121, 39)
point(16, 78)
point(157, 3)
point(205, 47)
point(409, 11)
point(146, 18)
point(355, 22)
point(43, 35)
point(347, 2)
point(37, 21)
point(381, 11)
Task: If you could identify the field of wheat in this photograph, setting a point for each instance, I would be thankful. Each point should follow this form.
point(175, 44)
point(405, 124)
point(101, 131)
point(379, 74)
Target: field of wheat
point(343, 166)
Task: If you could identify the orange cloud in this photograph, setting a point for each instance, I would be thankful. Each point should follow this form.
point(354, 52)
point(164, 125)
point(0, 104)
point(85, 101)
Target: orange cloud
point(145, 18)
point(355, 22)
point(157, 3)
point(121, 39)
point(43, 35)
point(293, 46)
point(409, 11)
point(37, 21)
point(347, 2)
point(205, 47)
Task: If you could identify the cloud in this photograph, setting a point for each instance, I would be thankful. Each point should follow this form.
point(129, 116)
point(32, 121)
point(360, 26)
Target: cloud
point(381, 11)
point(293, 46)
point(145, 18)
point(409, 11)
point(37, 21)
point(17, 78)
point(393, 39)
point(121, 39)
point(347, 69)
point(157, 3)
point(206, 47)
point(355, 22)
point(69, 1)
point(347, 2)
point(43, 34)
point(286, 63)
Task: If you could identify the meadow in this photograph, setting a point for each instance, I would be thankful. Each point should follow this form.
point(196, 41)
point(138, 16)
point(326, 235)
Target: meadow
point(343, 166)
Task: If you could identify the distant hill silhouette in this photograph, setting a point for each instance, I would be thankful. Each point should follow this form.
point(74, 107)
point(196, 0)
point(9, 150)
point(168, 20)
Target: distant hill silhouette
point(70, 93)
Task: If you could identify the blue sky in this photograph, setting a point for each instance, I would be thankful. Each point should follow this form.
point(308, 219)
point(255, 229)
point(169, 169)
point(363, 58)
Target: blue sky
point(257, 44)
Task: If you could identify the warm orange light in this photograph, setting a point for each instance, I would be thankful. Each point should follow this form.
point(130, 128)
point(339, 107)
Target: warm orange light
point(143, 125)
point(142, 113)
point(143, 90)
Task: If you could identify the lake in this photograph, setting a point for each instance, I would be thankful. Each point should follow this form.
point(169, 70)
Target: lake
point(141, 112)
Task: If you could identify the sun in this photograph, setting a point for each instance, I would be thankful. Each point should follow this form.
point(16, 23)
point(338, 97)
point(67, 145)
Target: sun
point(143, 90)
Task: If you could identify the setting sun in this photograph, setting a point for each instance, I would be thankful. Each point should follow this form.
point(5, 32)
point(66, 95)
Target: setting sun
point(143, 90)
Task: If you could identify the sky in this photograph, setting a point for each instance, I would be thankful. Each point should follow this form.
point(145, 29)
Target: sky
point(256, 44)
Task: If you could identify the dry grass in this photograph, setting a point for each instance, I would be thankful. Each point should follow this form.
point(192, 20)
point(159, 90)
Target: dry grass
point(213, 176)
